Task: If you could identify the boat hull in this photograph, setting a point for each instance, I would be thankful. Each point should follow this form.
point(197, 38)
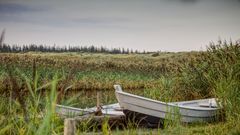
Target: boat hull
point(160, 110)
point(143, 120)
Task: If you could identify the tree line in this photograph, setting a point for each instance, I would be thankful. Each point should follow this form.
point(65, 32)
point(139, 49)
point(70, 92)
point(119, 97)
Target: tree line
point(44, 48)
point(5, 48)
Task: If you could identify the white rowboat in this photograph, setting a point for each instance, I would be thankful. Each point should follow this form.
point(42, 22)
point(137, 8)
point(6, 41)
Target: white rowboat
point(111, 109)
point(153, 111)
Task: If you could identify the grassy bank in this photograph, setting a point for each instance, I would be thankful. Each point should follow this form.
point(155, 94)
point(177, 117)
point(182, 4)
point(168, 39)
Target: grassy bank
point(32, 83)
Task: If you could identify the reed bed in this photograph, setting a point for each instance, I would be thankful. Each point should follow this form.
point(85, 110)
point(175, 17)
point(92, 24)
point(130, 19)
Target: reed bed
point(92, 71)
point(32, 83)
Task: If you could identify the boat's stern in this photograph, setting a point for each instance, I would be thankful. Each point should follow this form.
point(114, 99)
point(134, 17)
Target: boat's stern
point(117, 87)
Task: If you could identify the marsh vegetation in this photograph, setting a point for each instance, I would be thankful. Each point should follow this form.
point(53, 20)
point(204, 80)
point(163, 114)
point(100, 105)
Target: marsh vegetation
point(32, 83)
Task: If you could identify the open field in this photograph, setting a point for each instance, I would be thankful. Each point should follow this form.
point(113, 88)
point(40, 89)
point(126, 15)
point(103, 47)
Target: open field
point(31, 83)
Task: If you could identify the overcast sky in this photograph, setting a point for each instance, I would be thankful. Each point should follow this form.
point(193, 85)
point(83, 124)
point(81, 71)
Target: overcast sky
point(167, 25)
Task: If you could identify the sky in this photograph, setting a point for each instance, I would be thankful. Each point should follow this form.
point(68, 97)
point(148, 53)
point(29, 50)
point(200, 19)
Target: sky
point(151, 25)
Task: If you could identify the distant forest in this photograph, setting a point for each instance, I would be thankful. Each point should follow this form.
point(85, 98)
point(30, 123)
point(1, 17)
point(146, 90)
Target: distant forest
point(4, 48)
point(44, 48)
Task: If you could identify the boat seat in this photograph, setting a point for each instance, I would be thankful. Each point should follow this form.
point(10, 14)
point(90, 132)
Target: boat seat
point(209, 104)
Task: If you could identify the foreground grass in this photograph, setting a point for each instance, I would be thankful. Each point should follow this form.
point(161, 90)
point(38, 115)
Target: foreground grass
point(206, 129)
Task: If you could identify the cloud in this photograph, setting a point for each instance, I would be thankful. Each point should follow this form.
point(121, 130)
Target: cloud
point(99, 20)
point(16, 8)
point(19, 12)
point(47, 15)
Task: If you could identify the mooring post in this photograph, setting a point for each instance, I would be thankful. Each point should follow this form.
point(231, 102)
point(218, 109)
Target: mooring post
point(98, 99)
point(69, 126)
point(99, 110)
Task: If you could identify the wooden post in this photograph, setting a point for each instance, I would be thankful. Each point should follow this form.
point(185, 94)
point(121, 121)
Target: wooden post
point(69, 126)
point(99, 110)
point(98, 99)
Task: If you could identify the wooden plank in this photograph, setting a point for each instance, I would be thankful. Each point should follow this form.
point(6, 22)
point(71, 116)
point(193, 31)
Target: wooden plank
point(99, 119)
point(71, 123)
point(69, 126)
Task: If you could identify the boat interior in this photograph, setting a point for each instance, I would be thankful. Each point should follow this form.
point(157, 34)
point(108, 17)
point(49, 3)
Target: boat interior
point(204, 103)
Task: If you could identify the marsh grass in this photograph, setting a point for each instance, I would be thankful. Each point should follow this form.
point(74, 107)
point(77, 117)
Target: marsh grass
point(38, 87)
point(29, 113)
point(217, 74)
point(84, 71)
